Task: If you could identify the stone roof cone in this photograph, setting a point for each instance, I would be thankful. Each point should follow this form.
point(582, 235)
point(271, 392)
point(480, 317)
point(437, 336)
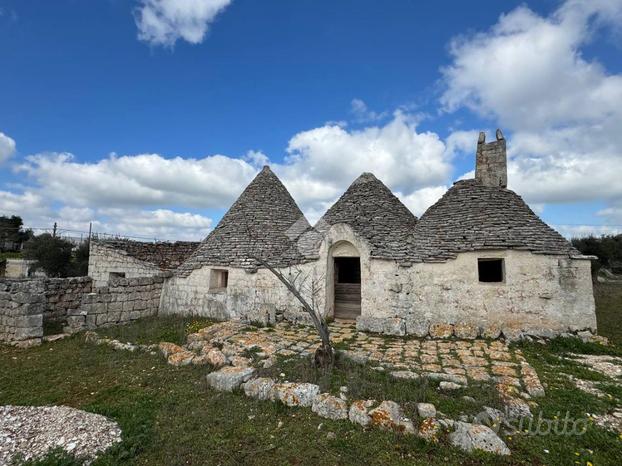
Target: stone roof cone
point(482, 213)
point(375, 214)
point(265, 222)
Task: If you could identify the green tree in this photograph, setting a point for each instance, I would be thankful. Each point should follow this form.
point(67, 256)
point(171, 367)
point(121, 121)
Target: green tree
point(608, 249)
point(12, 234)
point(53, 255)
point(80, 261)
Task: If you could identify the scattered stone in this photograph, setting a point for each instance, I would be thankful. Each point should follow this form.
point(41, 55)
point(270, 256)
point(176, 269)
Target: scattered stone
point(330, 407)
point(471, 437)
point(296, 394)
point(531, 380)
point(167, 348)
point(331, 436)
point(470, 399)
point(457, 379)
point(181, 358)
point(516, 408)
point(389, 416)
point(240, 361)
point(32, 431)
point(407, 375)
point(426, 410)
point(358, 413)
point(449, 386)
point(259, 388)
point(229, 378)
point(216, 358)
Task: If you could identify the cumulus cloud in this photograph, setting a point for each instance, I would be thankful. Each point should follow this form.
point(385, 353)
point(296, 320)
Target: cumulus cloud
point(163, 22)
point(363, 114)
point(529, 73)
point(323, 161)
point(7, 147)
point(141, 180)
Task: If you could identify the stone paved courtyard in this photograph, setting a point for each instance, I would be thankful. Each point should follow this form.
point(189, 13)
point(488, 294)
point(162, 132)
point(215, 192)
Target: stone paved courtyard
point(452, 360)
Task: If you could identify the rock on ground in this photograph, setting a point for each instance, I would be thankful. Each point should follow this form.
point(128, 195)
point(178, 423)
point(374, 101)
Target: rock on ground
point(358, 413)
point(471, 437)
point(389, 415)
point(330, 407)
point(426, 410)
point(31, 431)
point(259, 388)
point(296, 394)
point(229, 378)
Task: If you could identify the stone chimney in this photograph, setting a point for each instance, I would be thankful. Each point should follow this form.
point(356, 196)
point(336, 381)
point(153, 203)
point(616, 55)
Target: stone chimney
point(491, 165)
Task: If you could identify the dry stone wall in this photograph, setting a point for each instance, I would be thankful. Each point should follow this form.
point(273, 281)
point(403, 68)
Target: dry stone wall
point(104, 260)
point(122, 301)
point(22, 304)
point(63, 295)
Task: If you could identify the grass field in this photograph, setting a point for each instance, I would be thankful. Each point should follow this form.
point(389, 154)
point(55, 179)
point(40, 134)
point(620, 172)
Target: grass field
point(170, 417)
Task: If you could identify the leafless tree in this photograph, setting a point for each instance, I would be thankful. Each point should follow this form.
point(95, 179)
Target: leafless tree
point(298, 283)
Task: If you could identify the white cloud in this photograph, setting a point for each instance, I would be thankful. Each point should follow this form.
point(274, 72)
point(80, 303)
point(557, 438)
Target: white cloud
point(363, 114)
point(163, 22)
point(141, 180)
point(563, 111)
point(322, 162)
point(7, 147)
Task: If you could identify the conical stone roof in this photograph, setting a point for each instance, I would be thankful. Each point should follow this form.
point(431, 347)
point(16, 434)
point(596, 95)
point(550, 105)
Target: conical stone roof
point(471, 216)
point(264, 222)
point(375, 214)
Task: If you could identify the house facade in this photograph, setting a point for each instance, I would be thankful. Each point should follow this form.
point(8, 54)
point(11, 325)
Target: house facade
point(479, 262)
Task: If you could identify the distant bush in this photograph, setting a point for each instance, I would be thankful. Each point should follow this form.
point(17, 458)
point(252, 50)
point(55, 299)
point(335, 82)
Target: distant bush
point(607, 248)
point(56, 256)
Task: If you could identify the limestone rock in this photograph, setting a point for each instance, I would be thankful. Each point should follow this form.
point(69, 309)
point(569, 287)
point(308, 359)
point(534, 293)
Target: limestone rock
point(466, 331)
point(449, 386)
point(439, 330)
point(389, 416)
point(471, 437)
point(259, 388)
point(167, 348)
point(407, 375)
point(200, 360)
point(330, 407)
point(181, 358)
point(296, 394)
point(454, 378)
point(216, 358)
point(531, 380)
point(229, 378)
point(358, 413)
point(240, 361)
point(426, 410)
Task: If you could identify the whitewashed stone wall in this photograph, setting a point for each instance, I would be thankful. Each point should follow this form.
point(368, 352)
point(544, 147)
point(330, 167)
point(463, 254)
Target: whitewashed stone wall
point(254, 297)
point(104, 260)
point(18, 268)
point(541, 295)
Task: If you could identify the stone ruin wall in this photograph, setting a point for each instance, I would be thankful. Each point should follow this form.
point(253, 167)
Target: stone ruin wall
point(254, 297)
point(63, 295)
point(103, 260)
point(542, 295)
point(123, 300)
point(22, 304)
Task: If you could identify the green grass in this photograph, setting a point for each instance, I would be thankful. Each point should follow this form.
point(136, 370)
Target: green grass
point(170, 417)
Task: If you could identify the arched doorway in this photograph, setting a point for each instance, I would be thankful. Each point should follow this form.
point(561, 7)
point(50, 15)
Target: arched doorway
point(345, 263)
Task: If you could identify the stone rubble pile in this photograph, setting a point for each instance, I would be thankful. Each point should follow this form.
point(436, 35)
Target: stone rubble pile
point(30, 432)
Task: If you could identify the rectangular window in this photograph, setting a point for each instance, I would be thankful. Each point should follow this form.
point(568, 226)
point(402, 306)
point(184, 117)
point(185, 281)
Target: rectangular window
point(116, 275)
point(218, 280)
point(490, 270)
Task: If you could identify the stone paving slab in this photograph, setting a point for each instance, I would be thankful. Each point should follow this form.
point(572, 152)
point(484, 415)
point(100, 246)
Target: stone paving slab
point(476, 360)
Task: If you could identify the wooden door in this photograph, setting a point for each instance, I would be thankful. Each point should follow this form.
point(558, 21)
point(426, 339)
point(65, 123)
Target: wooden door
point(347, 287)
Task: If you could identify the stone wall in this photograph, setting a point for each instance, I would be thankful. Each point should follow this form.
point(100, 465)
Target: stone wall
point(22, 304)
point(541, 295)
point(123, 300)
point(134, 258)
point(251, 296)
point(63, 295)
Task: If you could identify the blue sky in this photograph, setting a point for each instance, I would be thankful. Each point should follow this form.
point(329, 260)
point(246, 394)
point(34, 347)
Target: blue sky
point(148, 117)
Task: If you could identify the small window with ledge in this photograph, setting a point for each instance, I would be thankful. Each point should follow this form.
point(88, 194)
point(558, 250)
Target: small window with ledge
point(491, 270)
point(218, 280)
point(112, 275)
